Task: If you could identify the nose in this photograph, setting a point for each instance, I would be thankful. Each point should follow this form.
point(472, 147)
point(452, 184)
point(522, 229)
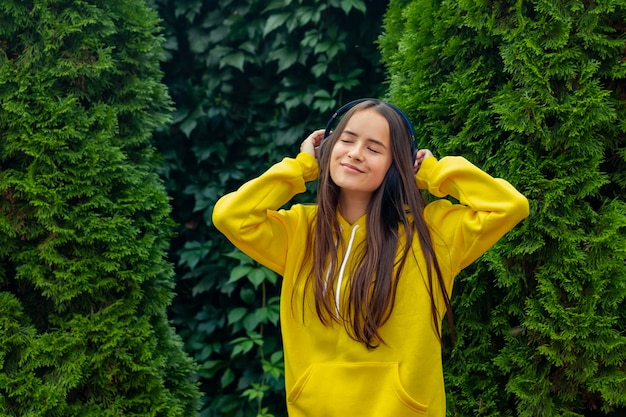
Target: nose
point(356, 153)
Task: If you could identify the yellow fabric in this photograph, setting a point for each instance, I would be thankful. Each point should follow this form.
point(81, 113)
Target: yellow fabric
point(328, 374)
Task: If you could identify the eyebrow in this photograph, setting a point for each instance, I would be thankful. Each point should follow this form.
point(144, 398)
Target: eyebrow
point(375, 141)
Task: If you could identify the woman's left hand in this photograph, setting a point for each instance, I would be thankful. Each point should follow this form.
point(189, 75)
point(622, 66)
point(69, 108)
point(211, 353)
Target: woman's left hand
point(419, 157)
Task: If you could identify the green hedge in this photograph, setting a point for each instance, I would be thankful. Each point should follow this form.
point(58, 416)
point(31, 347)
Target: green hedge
point(533, 92)
point(84, 218)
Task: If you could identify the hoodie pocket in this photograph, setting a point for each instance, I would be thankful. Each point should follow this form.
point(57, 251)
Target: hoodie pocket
point(352, 389)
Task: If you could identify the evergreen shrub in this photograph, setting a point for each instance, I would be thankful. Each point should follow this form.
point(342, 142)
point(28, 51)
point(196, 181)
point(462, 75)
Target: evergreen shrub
point(84, 217)
point(533, 92)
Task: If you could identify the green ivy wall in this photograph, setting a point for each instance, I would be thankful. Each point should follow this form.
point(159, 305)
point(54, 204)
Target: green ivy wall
point(249, 80)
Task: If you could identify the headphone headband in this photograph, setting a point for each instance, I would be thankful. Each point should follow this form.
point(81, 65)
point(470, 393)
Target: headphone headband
point(343, 109)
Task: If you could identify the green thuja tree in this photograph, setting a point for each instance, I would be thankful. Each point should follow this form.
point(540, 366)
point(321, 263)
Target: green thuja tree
point(534, 92)
point(84, 217)
point(250, 79)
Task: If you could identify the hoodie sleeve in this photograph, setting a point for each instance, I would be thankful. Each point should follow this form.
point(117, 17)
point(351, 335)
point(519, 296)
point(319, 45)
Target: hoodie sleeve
point(250, 217)
point(487, 207)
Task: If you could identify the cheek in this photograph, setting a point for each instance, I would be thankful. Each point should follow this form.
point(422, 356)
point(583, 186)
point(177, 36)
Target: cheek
point(336, 151)
point(382, 172)
point(381, 176)
point(384, 166)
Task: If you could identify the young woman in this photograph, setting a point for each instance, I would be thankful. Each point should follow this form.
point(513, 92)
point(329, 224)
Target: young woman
point(368, 270)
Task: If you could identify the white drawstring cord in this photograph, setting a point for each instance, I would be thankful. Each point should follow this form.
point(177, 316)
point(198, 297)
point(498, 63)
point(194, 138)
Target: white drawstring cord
point(343, 267)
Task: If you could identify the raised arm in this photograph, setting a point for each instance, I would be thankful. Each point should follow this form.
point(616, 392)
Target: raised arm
point(250, 217)
point(488, 207)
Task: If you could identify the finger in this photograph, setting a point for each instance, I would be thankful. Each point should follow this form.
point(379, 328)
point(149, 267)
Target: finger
point(318, 136)
point(416, 164)
point(426, 153)
point(312, 142)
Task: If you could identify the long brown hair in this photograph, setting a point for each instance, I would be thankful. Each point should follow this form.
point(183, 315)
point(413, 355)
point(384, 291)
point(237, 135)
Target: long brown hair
point(373, 283)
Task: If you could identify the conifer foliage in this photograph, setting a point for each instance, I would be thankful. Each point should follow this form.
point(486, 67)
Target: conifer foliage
point(533, 92)
point(84, 218)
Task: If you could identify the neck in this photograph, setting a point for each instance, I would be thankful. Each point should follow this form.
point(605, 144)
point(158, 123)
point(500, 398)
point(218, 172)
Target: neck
point(353, 206)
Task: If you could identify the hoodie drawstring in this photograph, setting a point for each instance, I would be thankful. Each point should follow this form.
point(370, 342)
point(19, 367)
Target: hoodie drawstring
point(343, 267)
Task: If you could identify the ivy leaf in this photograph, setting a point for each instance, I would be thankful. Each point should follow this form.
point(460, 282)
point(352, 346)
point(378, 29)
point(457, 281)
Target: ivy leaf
point(256, 277)
point(285, 57)
point(227, 378)
point(348, 5)
point(190, 121)
point(274, 21)
point(308, 14)
point(238, 272)
point(273, 310)
point(204, 285)
point(247, 295)
point(240, 256)
point(236, 314)
point(193, 252)
point(235, 59)
point(276, 356)
point(253, 320)
point(242, 347)
point(270, 275)
point(319, 69)
point(210, 367)
point(197, 40)
point(188, 125)
point(275, 4)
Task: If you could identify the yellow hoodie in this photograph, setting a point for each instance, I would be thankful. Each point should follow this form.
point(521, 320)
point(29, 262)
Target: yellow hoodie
point(328, 374)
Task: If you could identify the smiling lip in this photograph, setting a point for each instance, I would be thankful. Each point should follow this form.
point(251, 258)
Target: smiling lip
point(350, 167)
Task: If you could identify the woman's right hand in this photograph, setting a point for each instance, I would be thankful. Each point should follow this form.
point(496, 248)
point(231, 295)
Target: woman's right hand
point(312, 143)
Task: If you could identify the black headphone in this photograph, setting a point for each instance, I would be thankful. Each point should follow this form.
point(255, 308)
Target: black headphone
point(343, 109)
